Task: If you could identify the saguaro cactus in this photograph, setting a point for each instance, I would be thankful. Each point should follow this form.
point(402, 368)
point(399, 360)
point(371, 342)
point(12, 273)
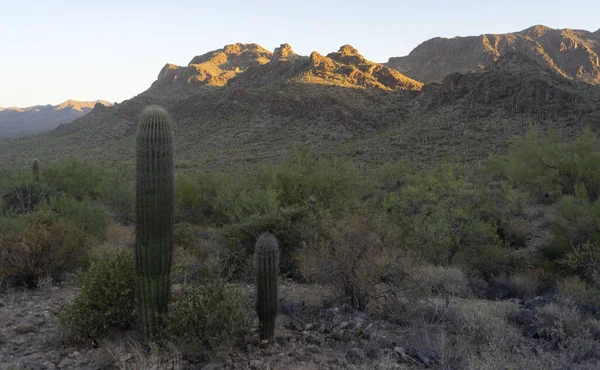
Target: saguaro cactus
point(36, 171)
point(267, 270)
point(154, 206)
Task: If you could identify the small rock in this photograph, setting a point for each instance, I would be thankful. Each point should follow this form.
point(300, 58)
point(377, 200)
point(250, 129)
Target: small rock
point(371, 351)
point(294, 325)
point(24, 329)
point(281, 340)
point(65, 363)
point(312, 339)
point(537, 302)
point(210, 367)
point(48, 365)
point(74, 354)
point(349, 325)
point(347, 337)
point(289, 307)
point(355, 355)
point(332, 312)
point(255, 342)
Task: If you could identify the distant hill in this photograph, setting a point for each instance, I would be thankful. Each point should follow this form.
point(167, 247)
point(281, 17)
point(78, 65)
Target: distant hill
point(243, 104)
point(570, 53)
point(23, 121)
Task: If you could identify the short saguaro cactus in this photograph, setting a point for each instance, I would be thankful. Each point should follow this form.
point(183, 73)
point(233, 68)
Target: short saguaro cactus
point(154, 207)
point(267, 271)
point(35, 168)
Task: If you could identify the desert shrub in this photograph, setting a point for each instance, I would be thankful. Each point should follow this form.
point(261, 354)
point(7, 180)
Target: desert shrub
point(209, 311)
point(41, 250)
point(561, 327)
point(195, 195)
point(576, 223)
point(484, 323)
point(291, 226)
point(119, 236)
point(442, 280)
point(91, 217)
point(583, 294)
point(116, 191)
point(523, 285)
point(584, 260)
point(25, 197)
point(321, 186)
point(184, 235)
point(234, 204)
point(13, 224)
point(353, 256)
point(439, 214)
point(544, 165)
point(106, 299)
point(77, 178)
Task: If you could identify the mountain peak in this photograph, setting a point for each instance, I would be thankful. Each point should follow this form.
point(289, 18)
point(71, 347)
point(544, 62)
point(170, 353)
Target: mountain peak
point(348, 50)
point(216, 67)
point(347, 54)
point(81, 105)
point(536, 31)
point(238, 52)
point(284, 53)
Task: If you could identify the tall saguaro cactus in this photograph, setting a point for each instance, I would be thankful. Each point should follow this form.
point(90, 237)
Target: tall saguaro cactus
point(267, 271)
point(154, 206)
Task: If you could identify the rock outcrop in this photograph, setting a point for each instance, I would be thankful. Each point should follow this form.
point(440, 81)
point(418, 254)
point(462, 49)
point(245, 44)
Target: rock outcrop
point(571, 53)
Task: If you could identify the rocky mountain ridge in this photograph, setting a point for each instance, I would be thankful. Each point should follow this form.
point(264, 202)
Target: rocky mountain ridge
point(569, 52)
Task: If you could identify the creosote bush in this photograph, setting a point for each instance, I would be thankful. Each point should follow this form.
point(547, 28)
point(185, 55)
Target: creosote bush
point(354, 257)
point(43, 249)
point(209, 310)
point(106, 300)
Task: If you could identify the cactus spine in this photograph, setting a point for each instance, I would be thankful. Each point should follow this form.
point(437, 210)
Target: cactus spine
point(36, 171)
point(267, 270)
point(154, 206)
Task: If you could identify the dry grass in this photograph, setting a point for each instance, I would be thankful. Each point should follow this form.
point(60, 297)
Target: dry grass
point(441, 280)
point(129, 354)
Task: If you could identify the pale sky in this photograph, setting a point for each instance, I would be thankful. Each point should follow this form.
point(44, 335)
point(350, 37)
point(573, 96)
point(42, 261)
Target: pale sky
point(55, 50)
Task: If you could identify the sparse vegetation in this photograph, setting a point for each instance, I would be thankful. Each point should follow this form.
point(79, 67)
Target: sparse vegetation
point(452, 252)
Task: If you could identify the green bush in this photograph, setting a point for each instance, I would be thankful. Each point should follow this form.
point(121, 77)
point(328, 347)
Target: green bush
point(116, 191)
point(106, 299)
point(86, 214)
point(13, 224)
point(234, 204)
point(322, 185)
point(576, 222)
point(195, 196)
point(439, 214)
point(77, 178)
point(209, 311)
point(291, 226)
point(544, 165)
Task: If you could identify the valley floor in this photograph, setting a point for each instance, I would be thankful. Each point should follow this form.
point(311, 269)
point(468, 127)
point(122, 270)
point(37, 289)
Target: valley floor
point(437, 333)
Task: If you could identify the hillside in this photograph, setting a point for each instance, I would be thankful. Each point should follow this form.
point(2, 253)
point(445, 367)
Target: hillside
point(242, 104)
point(570, 53)
point(22, 121)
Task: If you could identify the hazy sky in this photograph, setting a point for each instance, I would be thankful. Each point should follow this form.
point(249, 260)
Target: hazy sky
point(54, 50)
